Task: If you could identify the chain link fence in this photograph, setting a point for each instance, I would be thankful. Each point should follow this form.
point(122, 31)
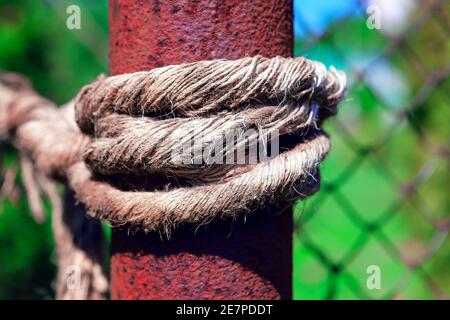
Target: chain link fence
point(383, 210)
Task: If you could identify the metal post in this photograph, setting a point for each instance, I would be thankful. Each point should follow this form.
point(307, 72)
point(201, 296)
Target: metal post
point(249, 259)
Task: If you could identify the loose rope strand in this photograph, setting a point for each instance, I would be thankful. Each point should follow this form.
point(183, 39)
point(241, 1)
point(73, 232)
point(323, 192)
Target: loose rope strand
point(114, 144)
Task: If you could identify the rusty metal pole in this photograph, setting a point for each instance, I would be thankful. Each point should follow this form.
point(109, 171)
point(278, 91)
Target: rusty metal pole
point(249, 259)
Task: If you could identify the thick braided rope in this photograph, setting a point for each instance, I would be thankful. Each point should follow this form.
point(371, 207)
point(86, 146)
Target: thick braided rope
point(117, 138)
point(41, 132)
point(129, 124)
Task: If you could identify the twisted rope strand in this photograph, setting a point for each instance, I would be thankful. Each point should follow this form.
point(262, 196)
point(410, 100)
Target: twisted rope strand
point(118, 137)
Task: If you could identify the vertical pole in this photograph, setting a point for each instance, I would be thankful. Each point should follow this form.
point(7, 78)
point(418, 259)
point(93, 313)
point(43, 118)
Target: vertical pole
point(249, 259)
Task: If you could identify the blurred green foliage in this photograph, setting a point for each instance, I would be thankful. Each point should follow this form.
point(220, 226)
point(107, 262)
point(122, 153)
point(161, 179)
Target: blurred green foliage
point(34, 41)
point(376, 155)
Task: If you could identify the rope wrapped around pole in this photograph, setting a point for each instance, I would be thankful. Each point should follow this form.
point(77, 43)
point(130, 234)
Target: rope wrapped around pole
point(123, 130)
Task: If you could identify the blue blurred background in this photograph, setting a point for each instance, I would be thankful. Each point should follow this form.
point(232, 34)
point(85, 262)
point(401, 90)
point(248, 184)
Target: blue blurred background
point(385, 195)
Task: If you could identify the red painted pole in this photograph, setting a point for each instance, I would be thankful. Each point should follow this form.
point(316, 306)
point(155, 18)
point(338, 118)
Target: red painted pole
point(226, 260)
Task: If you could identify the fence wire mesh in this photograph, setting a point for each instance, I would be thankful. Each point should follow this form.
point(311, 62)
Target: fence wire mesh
point(384, 200)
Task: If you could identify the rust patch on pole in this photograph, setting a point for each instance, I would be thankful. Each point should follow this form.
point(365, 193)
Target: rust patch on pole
point(249, 259)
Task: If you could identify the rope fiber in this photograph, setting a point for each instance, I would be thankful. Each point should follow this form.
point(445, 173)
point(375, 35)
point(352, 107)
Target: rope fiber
point(113, 145)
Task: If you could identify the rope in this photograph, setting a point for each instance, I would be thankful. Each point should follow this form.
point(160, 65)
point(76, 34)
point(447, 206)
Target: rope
point(114, 144)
